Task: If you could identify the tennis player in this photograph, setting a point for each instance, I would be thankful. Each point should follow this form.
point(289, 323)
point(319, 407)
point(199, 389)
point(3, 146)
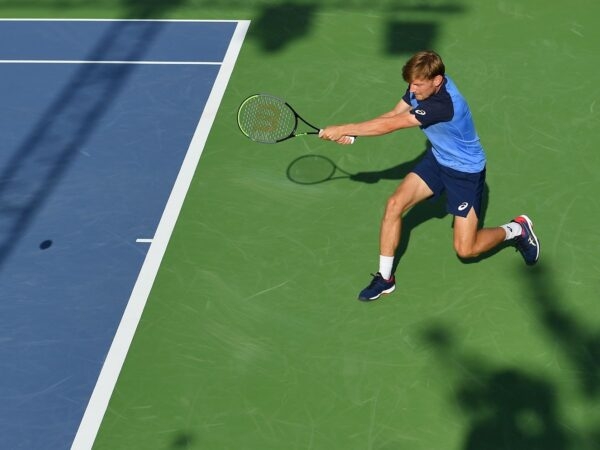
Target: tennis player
point(455, 165)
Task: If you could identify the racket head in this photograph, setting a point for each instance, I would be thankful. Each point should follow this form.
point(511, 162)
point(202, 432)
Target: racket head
point(267, 119)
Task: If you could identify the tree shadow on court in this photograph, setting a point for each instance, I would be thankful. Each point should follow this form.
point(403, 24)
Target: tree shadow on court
point(506, 407)
point(54, 142)
point(580, 344)
point(279, 24)
point(511, 408)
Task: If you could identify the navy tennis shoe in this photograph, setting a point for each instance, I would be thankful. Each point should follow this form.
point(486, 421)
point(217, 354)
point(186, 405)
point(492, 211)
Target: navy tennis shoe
point(377, 287)
point(528, 243)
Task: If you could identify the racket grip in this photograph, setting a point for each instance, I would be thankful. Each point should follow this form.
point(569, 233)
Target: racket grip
point(352, 138)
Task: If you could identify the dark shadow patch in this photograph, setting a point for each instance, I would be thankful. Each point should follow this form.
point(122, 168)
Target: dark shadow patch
point(410, 37)
point(580, 344)
point(506, 408)
point(279, 25)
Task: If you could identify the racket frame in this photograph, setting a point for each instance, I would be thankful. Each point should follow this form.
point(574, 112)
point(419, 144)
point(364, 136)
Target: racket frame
point(297, 118)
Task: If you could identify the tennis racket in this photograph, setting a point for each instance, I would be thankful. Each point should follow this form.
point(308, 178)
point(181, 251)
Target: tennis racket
point(268, 119)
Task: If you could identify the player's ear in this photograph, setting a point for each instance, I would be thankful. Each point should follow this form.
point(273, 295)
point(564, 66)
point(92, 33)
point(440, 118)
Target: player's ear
point(437, 80)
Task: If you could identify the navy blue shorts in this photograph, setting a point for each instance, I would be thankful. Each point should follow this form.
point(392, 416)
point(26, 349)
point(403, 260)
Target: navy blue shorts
point(463, 190)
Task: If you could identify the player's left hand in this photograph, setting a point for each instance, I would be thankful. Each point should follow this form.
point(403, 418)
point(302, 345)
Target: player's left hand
point(335, 134)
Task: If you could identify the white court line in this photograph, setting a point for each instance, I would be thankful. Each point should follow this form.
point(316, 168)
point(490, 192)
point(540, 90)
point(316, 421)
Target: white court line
point(16, 19)
point(144, 241)
point(96, 408)
point(69, 61)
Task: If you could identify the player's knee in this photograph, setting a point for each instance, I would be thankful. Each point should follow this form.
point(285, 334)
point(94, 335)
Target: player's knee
point(395, 206)
point(465, 250)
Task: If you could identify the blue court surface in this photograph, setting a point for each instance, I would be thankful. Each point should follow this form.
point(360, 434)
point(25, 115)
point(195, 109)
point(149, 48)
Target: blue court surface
point(102, 125)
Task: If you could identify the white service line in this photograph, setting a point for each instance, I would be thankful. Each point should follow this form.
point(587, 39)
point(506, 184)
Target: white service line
point(68, 61)
point(96, 408)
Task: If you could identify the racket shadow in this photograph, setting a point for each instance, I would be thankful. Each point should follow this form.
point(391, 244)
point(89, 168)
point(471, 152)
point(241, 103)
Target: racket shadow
point(315, 169)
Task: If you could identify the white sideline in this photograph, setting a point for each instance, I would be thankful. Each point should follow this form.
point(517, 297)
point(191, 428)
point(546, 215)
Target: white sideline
point(96, 408)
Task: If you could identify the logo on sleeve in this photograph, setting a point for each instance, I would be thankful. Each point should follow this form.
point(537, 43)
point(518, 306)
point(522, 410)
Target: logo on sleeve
point(420, 112)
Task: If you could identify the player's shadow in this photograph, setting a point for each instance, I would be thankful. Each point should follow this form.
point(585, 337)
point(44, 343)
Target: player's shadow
point(424, 211)
point(319, 169)
point(505, 407)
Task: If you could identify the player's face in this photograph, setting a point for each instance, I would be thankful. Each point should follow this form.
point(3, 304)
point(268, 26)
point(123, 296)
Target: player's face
point(423, 88)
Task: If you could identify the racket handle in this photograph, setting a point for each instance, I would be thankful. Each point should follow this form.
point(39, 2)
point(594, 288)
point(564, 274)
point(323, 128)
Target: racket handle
point(352, 138)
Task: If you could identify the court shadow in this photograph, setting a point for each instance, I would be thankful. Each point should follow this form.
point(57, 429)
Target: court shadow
point(146, 9)
point(505, 407)
point(420, 213)
point(580, 344)
point(278, 25)
point(417, 215)
point(393, 173)
point(183, 440)
point(40, 161)
point(405, 37)
point(317, 169)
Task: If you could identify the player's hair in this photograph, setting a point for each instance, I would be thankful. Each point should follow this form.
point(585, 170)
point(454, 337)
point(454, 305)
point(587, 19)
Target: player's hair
point(424, 65)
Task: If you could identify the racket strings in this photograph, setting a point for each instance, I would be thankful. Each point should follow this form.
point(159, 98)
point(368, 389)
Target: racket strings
point(266, 119)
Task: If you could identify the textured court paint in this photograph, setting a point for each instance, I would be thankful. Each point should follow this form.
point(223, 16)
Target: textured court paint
point(90, 157)
point(252, 338)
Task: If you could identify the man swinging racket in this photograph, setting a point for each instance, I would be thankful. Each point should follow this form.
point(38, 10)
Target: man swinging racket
point(454, 164)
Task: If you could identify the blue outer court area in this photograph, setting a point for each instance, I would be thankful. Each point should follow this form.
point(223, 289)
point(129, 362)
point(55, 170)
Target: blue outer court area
point(96, 119)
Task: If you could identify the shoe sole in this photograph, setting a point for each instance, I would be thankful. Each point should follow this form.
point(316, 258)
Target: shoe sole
point(387, 291)
point(532, 234)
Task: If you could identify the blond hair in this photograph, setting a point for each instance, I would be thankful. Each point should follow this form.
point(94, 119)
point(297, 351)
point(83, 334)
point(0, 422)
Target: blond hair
point(424, 65)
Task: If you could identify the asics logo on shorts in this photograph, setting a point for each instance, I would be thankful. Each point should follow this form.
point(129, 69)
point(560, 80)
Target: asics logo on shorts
point(463, 206)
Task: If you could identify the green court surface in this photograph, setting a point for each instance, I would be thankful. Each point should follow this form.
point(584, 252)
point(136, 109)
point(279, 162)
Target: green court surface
point(252, 338)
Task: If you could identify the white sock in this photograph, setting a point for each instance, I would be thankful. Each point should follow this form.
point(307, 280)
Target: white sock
point(513, 230)
point(385, 266)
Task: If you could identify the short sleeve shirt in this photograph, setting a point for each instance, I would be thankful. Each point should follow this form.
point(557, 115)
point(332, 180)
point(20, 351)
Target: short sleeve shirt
point(447, 122)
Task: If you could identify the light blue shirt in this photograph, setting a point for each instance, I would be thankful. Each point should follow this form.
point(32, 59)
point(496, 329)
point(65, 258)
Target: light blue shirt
point(447, 122)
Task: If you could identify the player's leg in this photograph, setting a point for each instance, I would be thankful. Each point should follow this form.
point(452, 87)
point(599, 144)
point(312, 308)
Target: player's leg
point(469, 241)
point(411, 191)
